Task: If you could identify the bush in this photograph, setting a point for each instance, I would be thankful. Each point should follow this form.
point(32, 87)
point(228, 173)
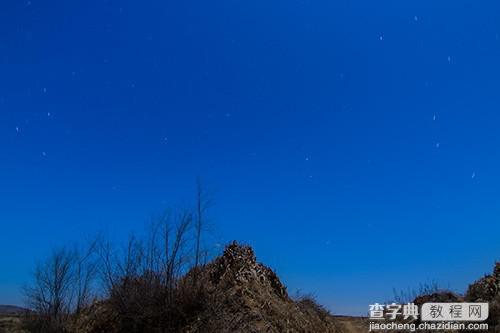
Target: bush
point(143, 283)
point(308, 304)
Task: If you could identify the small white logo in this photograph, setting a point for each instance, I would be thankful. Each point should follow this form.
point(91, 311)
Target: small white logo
point(430, 311)
point(455, 311)
point(392, 311)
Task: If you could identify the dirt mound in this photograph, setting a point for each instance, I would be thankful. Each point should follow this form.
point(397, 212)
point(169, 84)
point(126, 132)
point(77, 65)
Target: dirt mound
point(238, 267)
point(234, 294)
point(249, 297)
point(486, 288)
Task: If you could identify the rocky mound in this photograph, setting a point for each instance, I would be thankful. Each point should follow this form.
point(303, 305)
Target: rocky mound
point(234, 293)
point(249, 297)
point(486, 288)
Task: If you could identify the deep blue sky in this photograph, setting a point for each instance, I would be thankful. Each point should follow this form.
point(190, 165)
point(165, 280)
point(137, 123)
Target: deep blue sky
point(354, 144)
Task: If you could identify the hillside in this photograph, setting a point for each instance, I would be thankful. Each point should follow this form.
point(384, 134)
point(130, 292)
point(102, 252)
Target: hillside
point(11, 309)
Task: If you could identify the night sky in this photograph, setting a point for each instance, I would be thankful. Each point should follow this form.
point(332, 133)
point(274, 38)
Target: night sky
point(354, 144)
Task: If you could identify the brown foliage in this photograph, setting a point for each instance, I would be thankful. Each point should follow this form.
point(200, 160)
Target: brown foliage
point(234, 293)
point(487, 289)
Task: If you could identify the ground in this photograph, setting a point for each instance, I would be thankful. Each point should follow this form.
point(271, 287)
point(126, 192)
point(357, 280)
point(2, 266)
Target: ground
point(10, 324)
point(349, 324)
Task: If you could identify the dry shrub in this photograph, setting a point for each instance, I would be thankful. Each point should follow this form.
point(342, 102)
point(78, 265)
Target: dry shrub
point(246, 296)
point(443, 296)
point(234, 293)
point(309, 305)
point(159, 284)
point(487, 289)
point(141, 288)
point(43, 323)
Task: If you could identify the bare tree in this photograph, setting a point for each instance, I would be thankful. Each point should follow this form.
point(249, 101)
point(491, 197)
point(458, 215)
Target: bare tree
point(107, 265)
point(176, 258)
point(50, 293)
point(142, 281)
point(162, 255)
point(148, 280)
point(85, 273)
point(203, 202)
point(62, 285)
